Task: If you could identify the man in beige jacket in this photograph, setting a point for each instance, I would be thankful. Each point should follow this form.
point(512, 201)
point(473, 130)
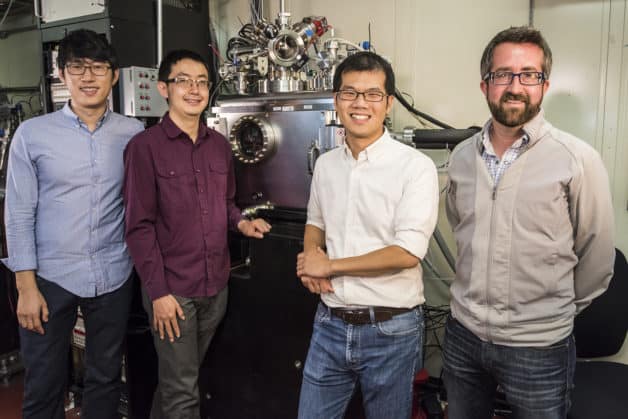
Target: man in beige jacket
point(531, 212)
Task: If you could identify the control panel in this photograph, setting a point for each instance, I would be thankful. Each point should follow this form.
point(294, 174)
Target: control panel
point(138, 93)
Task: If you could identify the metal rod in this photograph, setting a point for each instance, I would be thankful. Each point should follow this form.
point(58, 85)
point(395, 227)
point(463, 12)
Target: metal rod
point(36, 8)
point(160, 32)
point(442, 244)
point(19, 89)
point(531, 13)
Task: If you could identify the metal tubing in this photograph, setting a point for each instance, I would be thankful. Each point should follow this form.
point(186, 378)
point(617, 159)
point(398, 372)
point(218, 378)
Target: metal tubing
point(160, 32)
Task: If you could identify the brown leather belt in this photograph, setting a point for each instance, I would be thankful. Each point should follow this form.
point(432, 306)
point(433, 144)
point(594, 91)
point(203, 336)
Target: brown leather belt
point(361, 316)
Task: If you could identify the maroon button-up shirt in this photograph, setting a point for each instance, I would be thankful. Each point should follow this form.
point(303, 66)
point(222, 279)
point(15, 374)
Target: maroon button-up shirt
point(179, 200)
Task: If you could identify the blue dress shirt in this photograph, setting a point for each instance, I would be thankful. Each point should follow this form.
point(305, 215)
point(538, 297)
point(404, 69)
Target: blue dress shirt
point(63, 211)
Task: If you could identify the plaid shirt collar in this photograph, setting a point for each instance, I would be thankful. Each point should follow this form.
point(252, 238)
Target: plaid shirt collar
point(495, 166)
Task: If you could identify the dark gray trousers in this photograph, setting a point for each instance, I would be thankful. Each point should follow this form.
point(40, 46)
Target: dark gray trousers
point(177, 394)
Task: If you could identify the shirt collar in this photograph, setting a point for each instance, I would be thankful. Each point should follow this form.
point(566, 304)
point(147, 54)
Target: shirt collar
point(534, 127)
point(531, 134)
point(374, 150)
point(68, 112)
point(173, 131)
point(487, 146)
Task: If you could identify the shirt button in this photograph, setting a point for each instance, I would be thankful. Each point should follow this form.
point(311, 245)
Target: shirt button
point(171, 173)
point(198, 170)
point(201, 190)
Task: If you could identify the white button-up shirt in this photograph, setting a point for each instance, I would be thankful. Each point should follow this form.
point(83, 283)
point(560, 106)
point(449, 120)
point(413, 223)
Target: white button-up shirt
point(388, 196)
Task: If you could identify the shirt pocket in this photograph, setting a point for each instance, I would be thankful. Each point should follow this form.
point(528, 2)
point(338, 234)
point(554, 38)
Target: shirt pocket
point(176, 186)
point(218, 175)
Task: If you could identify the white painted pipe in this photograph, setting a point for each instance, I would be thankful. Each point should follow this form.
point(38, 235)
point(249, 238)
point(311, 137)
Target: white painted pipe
point(160, 31)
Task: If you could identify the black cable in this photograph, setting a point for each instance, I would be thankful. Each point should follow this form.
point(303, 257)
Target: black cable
point(418, 113)
point(214, 96)
point(409, 96)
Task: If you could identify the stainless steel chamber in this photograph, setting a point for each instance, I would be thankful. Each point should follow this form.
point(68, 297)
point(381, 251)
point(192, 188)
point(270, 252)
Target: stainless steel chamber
point(275, 141)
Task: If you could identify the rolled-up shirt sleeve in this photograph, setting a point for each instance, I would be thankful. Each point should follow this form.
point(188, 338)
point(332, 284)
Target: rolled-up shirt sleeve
point(140, 200)
point(417, 212)
point(314, 215)
point(21, 206)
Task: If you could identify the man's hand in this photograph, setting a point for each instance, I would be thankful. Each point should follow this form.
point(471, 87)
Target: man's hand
point(165, 312)
point(32, 309)
point(314, 264)
point(317, 285)
point(254, 228)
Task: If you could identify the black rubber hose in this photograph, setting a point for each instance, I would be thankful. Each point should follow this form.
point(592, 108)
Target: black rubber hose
point(418, 113)
point(441, 138)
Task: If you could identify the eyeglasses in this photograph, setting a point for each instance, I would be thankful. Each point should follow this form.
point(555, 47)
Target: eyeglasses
point(78, 69)
point(182, 81)
point(527, 78)
point(369, 96)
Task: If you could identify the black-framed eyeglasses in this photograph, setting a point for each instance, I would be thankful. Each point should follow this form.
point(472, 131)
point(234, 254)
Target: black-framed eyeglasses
point(187, 82)
point(369, 96)
point(527, 78)
point(78, 69)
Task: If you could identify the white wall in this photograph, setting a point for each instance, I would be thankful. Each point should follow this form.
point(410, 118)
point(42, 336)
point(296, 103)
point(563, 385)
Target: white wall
point(435, 48)
point(588, 95)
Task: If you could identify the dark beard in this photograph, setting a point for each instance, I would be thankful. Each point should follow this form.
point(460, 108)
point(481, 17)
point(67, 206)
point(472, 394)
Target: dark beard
point(514, 117)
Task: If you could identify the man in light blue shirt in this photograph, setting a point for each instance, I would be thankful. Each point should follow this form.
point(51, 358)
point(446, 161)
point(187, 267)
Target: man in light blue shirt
point(65, 234)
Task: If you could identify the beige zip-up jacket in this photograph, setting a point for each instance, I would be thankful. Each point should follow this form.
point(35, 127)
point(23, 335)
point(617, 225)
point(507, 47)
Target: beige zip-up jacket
point(536, 248)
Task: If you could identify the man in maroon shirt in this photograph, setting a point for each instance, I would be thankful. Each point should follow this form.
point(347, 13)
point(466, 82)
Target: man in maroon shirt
point(179, 194)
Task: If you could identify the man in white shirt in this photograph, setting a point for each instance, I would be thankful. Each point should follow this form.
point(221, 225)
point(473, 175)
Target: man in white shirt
point(372, 209)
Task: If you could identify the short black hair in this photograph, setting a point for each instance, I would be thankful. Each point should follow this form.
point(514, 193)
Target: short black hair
point(365, 61)
point(174, 57)
point(83, 43)
point(517, 35)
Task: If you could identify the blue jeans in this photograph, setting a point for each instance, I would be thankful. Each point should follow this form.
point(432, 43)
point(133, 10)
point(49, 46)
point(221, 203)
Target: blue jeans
point(46, 356)
point(536, 381)
point(383, 357)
